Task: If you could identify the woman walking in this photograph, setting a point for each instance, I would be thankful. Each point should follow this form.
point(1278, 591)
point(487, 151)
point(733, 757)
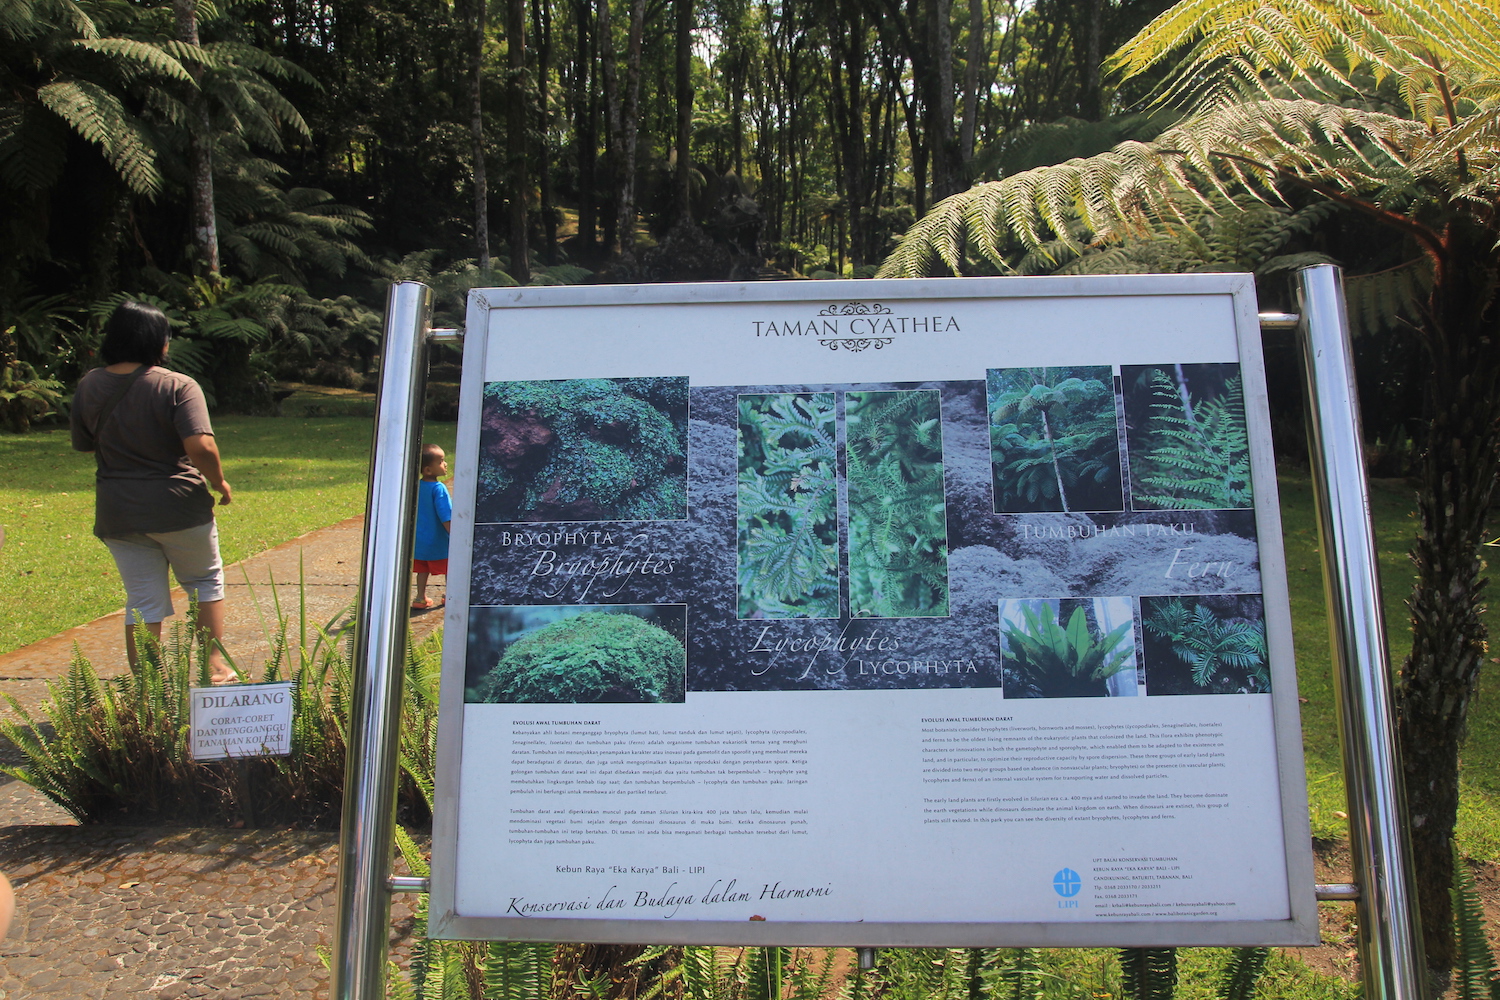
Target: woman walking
point(149, 430)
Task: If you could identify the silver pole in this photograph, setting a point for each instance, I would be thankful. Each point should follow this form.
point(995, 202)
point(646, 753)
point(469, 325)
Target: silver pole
point(367, 833)
point(1390, 939)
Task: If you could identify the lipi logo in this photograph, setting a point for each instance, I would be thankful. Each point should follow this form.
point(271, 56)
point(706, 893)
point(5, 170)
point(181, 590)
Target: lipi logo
point(1068, 884)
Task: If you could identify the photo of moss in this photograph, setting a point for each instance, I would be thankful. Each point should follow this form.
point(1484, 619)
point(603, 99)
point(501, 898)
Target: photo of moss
point(1205, 644)
point(898, 522)
point(787, 503)
point(577, 654)
point(1188, 445)
point(1054, 439)
point(583, 450)
point(1069, 647)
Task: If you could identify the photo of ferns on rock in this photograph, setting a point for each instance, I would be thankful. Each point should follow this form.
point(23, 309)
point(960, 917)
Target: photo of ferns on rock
point(577, 654)
point(1189, 448)
point(787, 518)
point(1206, 644)
point(1054, 439)
point(898, 521)
point(584, 450)
point(1069, 647)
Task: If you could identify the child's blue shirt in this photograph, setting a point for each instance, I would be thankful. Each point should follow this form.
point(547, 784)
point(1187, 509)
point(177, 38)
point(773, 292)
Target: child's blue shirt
point(434, 507)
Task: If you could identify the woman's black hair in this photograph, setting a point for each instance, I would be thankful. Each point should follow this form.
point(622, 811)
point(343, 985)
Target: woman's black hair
point(135, 332)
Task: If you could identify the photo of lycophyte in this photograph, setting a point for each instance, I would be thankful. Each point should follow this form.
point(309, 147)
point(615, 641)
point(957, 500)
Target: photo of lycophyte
point(577, 654)
point(898, 515)
point(1188, 445)
point(1054, 439)
point(1069, 647)
point(787, 518)
point(1205, 644)
point(594, 449)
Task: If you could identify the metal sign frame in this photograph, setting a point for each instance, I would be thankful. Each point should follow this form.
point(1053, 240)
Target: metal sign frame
point(1391, 970)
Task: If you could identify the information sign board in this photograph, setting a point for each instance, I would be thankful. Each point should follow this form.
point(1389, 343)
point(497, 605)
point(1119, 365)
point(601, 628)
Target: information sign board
point(943, 612)
point(241, 720)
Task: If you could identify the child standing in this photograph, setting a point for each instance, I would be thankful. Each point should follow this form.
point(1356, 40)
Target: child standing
point(434, 516)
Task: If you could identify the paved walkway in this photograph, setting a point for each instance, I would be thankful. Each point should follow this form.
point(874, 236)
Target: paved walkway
point(163, 913)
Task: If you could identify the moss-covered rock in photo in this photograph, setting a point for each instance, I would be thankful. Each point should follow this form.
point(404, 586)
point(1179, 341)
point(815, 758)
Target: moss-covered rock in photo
point(584, 450)
point(593, 657)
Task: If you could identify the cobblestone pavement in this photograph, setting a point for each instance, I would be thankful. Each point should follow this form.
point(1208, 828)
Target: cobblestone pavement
point(116, 912)
point(111, 912)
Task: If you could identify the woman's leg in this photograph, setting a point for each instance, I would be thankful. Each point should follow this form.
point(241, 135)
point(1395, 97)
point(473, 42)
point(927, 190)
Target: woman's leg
point(148, 598)
point(194, 555)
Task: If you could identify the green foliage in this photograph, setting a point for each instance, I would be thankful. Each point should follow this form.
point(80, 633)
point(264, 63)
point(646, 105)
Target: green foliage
point(593, 657)
point(1197, 455)
point(610, 451)
point(1046, 659)
point(786, 525)
point(1214, 648)
point(1242, 973)
point(1148, 973)
point(117, 750)
point(1478, 971)
point(25, 396)
point(1054, 437)
point(898, 521)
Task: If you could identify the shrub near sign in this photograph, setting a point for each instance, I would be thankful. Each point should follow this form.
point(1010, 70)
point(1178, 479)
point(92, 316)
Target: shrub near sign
point(243, 720)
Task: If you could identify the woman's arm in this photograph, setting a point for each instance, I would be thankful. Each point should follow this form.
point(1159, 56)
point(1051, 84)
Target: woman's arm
point(203, 452)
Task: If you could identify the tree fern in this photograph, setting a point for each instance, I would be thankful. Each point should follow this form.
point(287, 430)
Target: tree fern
point(1199, 450)
point(1054, 439)
point(1241, 974)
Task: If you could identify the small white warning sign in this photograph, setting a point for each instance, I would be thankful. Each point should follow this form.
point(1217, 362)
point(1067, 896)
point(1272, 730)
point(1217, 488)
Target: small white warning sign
point(242, 720)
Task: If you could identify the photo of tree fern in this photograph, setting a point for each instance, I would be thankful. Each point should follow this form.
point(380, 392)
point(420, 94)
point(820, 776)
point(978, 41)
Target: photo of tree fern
point(1054, 439)
point(577, 654)
point(898, 521)
point(1207, 644)
point(1069, 647)
point(787, 516)
point(592, 449)
point(1188, 445)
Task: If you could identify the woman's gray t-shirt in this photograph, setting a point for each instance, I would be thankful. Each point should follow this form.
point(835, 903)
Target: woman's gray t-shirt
point(144, 482)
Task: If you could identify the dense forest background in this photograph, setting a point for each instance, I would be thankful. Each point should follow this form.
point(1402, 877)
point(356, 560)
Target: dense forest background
point(263, 170)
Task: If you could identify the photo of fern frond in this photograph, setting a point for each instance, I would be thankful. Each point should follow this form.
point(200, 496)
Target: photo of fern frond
point(1188, 445)
point(898, 512)
point(592, 449)
point(1205, 644)
point(577, 654)
point(787, 506)
point(1068, 647)
point(1054, 439)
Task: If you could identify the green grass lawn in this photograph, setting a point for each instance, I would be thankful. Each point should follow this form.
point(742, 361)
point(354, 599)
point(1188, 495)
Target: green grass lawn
point(1392, 503)
point(290, 476)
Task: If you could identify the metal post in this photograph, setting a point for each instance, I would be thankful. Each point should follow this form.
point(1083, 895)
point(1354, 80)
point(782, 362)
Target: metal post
point(367, 833)
point(1389, 936)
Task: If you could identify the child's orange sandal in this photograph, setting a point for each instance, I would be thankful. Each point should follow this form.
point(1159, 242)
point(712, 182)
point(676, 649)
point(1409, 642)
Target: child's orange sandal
point(426, 604)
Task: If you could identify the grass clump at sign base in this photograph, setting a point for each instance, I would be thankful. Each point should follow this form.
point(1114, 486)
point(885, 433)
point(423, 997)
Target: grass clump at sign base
point(592, 657)
point(117, 750)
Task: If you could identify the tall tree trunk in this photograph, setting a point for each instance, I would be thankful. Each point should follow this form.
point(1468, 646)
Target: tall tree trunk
point(978, 52)
point(1460, 461)
point(476, 135)
point(613, 125)
point(684, 88)
point(1062, 490)
point(541, 16)
point(935, 84)
point(585, 111)
point(1091, 96)
point(204, 224)
point(630, 113)
point(515, 139)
